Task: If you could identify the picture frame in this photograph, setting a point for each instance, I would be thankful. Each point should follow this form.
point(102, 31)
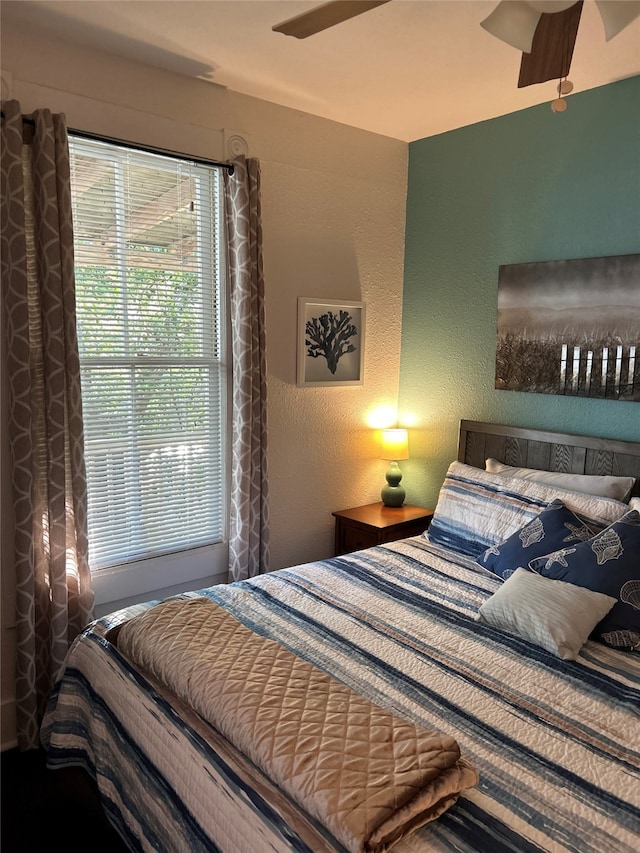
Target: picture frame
point(570, 327)
point(331, 342)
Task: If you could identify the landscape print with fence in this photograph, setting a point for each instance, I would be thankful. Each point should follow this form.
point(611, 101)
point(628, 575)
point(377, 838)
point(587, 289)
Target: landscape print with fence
point(570, 327)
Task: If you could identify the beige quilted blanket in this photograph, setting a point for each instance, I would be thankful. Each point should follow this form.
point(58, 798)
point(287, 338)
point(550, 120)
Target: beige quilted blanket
point(368, 775)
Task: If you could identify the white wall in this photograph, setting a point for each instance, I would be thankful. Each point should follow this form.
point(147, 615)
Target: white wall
point(333, 204)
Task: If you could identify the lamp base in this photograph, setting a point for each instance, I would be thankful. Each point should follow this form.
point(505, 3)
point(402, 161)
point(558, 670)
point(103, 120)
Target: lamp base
point(393, 494)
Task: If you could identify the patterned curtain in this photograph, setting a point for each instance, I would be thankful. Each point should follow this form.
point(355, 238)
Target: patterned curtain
point(249, 521)
point(54, 599)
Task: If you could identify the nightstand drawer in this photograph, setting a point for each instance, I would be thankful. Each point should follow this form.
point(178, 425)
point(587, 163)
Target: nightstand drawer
point(354, 538)
point(373, 524)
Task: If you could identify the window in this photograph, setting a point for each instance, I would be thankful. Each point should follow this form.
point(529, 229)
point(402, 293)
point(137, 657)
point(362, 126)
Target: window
point(151, 316)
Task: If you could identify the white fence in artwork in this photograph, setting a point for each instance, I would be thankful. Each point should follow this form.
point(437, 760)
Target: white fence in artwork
point(609, 372)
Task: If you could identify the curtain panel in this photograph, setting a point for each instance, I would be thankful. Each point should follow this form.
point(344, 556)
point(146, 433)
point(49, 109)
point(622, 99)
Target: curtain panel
point(249, 515)
point(54, 597)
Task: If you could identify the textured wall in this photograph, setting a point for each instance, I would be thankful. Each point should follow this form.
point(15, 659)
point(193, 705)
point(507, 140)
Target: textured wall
point(333, 209)
point(345, 244)
point(530, 186)
point(333, 214)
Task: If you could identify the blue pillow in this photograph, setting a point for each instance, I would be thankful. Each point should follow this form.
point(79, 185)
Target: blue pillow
point(608, 563)
point(554, 528)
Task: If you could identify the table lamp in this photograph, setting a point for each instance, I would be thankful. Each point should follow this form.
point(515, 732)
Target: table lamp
point(394, 446)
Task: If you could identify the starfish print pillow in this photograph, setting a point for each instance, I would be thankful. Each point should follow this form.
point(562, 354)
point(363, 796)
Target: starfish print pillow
point(609, 562)
point(554, 528)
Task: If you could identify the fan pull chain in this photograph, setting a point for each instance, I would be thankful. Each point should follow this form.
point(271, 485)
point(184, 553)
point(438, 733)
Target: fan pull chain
point(559, 104)
point(565, 86)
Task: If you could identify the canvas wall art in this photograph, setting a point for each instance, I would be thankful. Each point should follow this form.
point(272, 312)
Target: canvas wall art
point(570, 327)
point(330, 342)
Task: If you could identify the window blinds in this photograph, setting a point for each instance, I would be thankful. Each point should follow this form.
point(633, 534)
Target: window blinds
point(150, 323)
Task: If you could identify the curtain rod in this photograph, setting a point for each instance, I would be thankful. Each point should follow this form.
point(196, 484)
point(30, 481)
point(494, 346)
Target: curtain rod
point(165, 152)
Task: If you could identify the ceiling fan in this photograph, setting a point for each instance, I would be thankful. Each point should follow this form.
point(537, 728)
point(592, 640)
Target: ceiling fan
point(544, 30)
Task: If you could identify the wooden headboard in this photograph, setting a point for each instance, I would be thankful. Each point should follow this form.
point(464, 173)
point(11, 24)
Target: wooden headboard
point(548, 451)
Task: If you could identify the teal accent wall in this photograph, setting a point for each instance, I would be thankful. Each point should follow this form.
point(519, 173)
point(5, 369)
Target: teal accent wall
point(529, 186)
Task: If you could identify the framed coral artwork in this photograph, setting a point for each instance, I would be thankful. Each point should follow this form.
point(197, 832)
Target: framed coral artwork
point(330, 342)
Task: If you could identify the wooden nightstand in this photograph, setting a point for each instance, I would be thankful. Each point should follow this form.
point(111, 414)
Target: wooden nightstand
point(373, 524)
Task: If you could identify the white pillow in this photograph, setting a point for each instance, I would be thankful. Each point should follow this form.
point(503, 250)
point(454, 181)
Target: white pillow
point(634, 503)
point(555, 615)
point(591, 484)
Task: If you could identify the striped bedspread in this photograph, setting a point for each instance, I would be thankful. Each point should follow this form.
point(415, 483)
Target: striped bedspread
point(556, 743)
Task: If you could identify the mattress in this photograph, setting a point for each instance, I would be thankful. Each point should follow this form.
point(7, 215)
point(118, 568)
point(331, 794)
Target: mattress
point(556, 742)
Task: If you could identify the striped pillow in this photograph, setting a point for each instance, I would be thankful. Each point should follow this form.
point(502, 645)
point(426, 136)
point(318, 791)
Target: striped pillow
point(555, 615)
point(477, 509)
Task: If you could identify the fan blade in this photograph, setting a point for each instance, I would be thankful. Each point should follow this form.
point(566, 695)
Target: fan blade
point(325, 16)
point(616, 15)
point(552, 48)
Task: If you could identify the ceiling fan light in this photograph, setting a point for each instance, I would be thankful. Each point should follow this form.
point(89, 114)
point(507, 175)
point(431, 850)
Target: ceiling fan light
point(616, 15)
point(514, 22)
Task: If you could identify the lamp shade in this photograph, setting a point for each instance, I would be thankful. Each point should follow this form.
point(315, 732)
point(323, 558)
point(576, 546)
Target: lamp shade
point(394, 444)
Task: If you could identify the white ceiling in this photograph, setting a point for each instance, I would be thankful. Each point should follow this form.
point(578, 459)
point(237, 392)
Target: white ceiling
point(408, 69)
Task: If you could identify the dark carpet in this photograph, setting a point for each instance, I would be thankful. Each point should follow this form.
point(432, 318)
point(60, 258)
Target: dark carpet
point(50, 809)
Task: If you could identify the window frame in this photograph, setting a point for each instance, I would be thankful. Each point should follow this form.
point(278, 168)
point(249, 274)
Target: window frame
point(200, 566)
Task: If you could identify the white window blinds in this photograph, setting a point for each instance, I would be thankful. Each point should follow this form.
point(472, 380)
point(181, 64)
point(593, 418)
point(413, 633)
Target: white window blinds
point(150, 322)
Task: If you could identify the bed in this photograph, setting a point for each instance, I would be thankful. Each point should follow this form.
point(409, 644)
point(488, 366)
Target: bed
point(435, 632)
